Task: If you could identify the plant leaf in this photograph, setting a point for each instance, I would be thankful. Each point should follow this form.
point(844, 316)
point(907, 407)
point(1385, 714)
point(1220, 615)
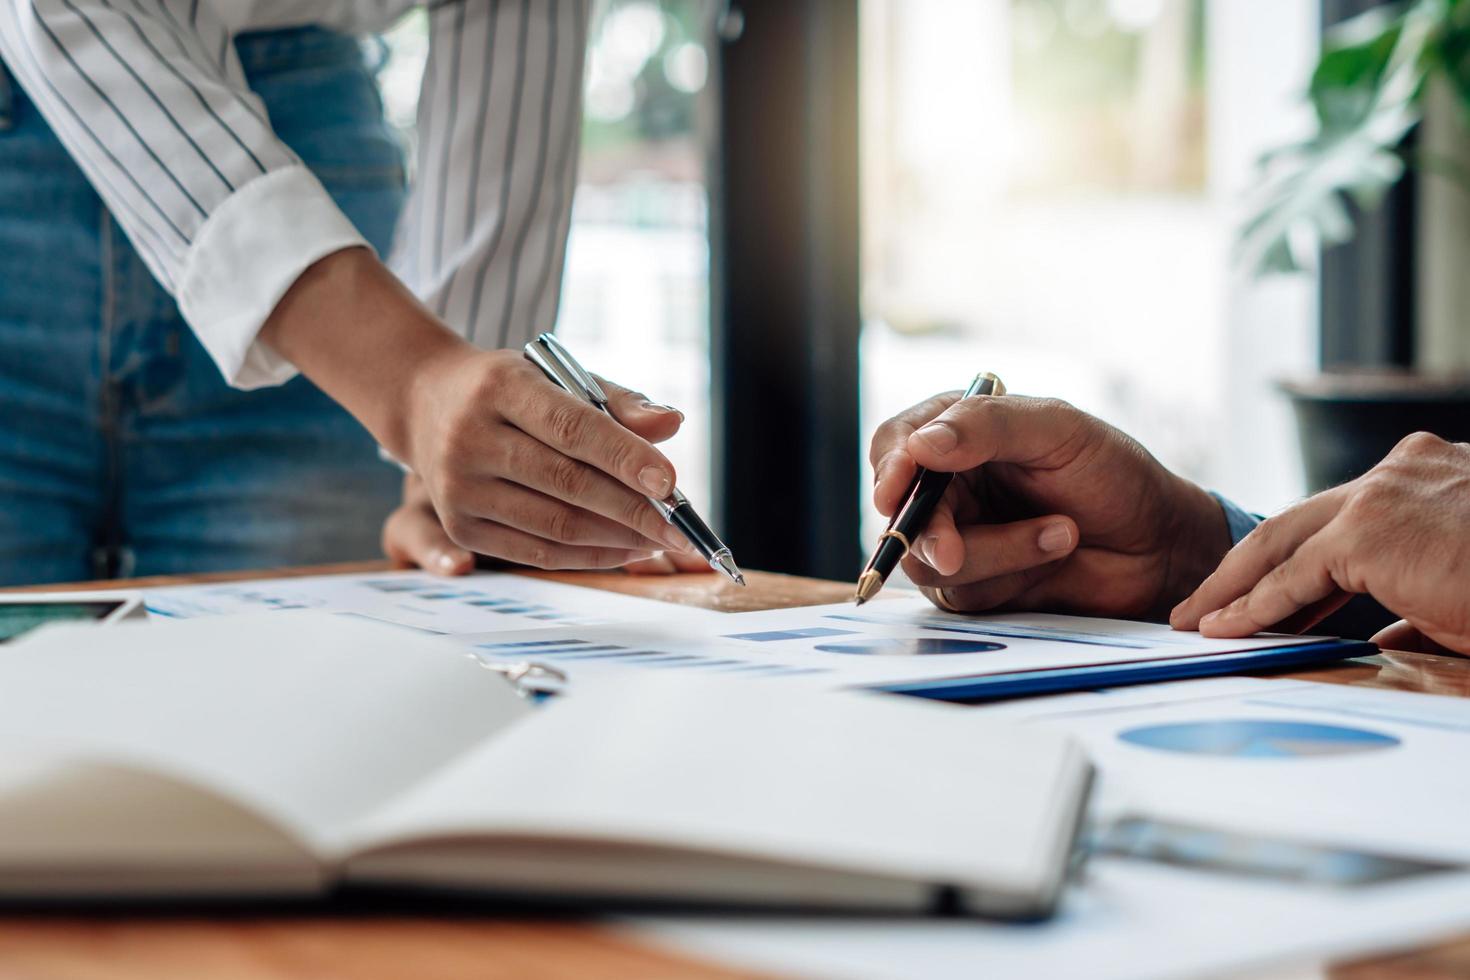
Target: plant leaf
point(1453, 54)
point(1366, 91)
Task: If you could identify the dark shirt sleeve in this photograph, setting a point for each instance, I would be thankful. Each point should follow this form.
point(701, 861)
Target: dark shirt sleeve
point(1239, 521)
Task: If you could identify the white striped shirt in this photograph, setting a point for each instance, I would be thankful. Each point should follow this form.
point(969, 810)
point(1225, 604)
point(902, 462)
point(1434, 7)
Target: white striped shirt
point(150, 99)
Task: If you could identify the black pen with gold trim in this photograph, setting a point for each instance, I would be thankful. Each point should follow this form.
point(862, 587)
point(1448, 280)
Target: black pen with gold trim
point(913, 515)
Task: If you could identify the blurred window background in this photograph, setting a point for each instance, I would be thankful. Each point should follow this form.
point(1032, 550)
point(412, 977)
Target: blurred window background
point(635, 298)
point(1050, 189)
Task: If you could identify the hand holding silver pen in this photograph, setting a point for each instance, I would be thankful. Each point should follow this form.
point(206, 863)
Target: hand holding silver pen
point(517, 469)
point(548, 353)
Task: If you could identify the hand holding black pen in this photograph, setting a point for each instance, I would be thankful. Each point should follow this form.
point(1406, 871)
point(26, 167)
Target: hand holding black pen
point(923, 494)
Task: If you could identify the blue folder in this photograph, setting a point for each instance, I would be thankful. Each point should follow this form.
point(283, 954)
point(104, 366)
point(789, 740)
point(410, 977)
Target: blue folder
point(1025, 683)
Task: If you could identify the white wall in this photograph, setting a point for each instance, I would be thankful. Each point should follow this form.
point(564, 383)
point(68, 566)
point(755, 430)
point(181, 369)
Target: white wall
point(1261, 55)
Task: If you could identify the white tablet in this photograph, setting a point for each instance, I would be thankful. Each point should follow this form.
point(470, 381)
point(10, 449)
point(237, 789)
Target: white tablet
point(21, 612)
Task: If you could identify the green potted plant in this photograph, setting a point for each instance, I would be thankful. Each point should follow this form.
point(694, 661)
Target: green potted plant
point(1381, 76)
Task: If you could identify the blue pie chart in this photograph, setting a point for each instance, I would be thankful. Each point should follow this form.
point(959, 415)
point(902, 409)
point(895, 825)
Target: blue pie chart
point(1256, 739)
point(909, 647)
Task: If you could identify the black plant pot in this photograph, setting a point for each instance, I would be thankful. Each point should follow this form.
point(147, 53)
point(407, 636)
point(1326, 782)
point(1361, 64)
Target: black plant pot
point(1347, 422)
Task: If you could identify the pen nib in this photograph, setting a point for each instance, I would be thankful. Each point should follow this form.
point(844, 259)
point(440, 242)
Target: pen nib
point(867, 586)
point(725, 564)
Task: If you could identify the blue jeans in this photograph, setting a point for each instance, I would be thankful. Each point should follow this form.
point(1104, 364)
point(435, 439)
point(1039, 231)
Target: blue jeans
point(122, 450)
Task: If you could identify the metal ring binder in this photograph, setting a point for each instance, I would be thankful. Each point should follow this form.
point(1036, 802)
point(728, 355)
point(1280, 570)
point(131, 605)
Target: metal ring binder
point(530, 678)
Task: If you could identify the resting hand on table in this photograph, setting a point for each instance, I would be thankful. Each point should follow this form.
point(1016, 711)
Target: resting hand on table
point(1050, 509)
point(1400, 533)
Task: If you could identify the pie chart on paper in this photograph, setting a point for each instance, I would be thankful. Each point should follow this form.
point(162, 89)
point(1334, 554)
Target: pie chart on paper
point(1257, 739)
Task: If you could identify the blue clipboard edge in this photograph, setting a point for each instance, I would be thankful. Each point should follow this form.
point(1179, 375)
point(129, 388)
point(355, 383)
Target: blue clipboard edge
point(993, 687)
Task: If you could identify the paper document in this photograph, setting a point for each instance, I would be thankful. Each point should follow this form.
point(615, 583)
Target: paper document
point(1325, 764)
point(1339, 769)
point(836, 646)
point(478, 603)
point(1127, 921)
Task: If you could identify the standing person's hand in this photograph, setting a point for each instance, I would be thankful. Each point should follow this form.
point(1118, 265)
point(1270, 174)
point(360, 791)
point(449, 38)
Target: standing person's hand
point(1400, 533)
point(413, 535)
point(1050, 509)
point(514, 467)
point(521, 470)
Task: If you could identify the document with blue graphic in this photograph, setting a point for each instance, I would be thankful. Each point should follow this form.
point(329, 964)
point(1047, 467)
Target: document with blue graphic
point(884, 643)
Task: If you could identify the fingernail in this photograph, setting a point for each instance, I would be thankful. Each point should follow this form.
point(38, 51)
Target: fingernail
point(656, 481)
point(1206, 620)
point(661, 409)
point(1055, 537)
point(445, 562)
point(938, 437)
point(926, 547)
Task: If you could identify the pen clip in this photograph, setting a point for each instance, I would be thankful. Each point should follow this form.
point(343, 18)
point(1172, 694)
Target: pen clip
point(584, 379)
point(552, 368)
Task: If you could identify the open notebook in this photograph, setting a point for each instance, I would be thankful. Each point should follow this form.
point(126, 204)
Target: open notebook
point(289, 753)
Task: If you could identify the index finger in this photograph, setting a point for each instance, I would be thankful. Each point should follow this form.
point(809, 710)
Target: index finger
point(1301, 581)
point(893, 466)
point(578, 429)
point(1006, 428)
point(1270, 545)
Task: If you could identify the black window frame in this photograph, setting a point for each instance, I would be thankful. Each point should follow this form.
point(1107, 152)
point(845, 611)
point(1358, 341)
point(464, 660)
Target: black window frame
point(784, 313)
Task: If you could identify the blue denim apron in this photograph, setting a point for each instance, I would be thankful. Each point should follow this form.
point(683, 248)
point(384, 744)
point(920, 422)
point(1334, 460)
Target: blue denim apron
point(122, 450)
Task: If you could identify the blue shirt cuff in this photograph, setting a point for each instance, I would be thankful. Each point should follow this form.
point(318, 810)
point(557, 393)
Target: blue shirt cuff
point(1239, 522)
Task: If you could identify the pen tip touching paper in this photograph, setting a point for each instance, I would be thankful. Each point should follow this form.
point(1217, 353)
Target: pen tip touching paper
point(867, 587)
point(724, 563)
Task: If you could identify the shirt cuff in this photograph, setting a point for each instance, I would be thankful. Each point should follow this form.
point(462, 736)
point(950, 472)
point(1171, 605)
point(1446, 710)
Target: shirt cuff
point(1238, 521)
point(244, 259)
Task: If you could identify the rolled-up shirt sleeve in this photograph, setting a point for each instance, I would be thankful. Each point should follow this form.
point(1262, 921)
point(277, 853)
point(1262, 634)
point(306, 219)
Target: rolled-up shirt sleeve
point(149, 98)
point(483, 240)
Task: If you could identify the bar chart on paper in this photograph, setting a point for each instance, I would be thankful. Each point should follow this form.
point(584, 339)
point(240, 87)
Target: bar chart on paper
point(482, 603)
point(833, 647)
point(573, 654)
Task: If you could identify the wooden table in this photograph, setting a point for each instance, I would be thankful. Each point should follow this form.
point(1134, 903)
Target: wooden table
point(308, 947)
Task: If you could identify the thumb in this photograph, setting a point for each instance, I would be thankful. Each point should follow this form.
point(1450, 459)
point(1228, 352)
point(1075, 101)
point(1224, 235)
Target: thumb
point(633, 409)
point(1398, 636)
point(414, 536)
point(1403, 635)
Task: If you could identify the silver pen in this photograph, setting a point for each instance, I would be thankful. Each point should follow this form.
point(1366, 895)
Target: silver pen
point(558, 364)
